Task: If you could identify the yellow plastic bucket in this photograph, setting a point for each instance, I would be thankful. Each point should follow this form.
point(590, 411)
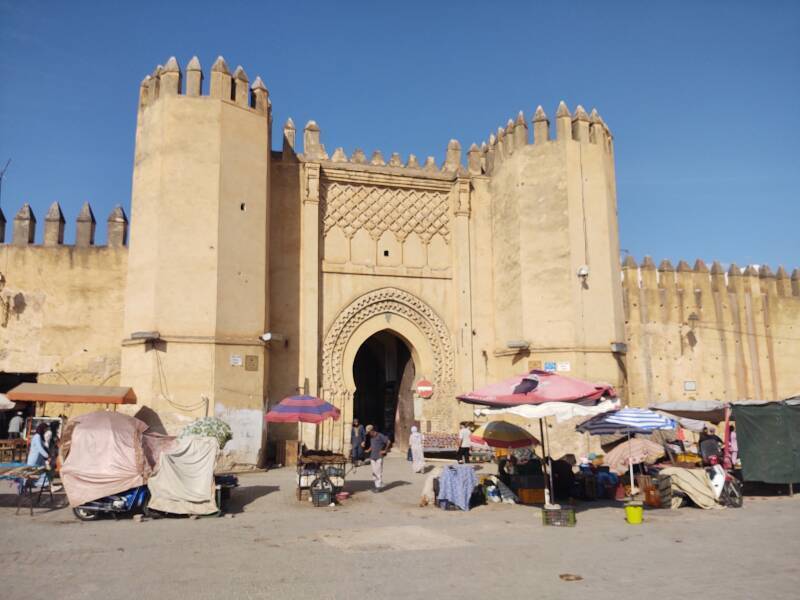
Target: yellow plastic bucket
point(633, 513)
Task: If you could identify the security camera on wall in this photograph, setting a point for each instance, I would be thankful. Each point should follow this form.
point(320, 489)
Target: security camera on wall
point(271, 337)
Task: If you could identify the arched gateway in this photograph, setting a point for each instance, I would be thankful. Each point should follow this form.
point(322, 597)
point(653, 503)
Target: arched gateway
point(375, 321)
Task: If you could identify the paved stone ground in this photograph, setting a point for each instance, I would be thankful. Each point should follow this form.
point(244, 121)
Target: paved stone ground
point(385, 546)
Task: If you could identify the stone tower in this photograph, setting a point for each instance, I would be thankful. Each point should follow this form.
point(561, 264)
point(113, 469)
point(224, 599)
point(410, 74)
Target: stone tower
point(555, 243)
point(197, 273)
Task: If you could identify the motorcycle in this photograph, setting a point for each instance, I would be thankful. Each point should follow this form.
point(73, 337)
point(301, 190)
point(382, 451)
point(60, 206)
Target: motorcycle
point(125, 503)
point(136, 500)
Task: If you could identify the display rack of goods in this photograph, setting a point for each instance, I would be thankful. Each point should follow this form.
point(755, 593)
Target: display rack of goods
point(440, 441)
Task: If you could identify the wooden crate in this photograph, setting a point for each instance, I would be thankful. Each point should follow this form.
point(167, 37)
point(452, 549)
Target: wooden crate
point(531, 495)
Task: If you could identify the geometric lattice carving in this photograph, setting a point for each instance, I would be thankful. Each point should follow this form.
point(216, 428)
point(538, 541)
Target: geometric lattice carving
point(377, 209)
point(378, 302)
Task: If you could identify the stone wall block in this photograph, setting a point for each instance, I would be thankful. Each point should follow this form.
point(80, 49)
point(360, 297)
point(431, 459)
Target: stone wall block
point(563, 123)
point(194, 78)
point(84, 235)
point(452, 157)
point(241, 87)
point(783, 282)
point(54, 226)
point(117, 227)
point(312, 146)
point(580, 125)
point(541, 126)
point(221, 82)
point(520, 131)
point(24, 226)
point(170, 84)
point(474, 160)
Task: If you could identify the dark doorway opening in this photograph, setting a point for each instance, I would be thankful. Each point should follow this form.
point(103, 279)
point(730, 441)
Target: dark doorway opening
point(383, 371)
point(8, 381)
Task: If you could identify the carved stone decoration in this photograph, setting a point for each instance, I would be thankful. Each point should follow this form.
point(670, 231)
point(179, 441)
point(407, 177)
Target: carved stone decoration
point(377, 209)
point(379, 302)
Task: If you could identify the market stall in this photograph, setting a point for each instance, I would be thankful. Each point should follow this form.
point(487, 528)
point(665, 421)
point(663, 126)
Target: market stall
point(320, 473)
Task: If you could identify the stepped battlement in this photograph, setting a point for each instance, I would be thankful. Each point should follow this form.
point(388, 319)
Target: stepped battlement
point(170, 80)
point(23, 231)
point(581, 127)
point(756, 279)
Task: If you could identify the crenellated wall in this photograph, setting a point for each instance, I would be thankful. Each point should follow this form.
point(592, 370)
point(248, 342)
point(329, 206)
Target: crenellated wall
point(488, 250)
point(61, 306)
point(486, 264)
point(700, 333)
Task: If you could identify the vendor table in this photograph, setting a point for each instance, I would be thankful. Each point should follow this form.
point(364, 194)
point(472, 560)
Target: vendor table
point(26, 477)
point(327, 467)
point(13, 450)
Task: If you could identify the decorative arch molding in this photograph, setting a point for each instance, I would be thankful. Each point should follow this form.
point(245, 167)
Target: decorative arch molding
point(387, 301)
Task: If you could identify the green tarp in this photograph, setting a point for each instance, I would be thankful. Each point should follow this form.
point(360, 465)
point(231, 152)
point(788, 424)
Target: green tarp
point(768, 436)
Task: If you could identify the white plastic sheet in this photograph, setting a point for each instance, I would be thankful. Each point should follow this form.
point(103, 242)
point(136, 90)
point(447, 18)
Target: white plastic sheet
point(562, 411)
point(184, 481)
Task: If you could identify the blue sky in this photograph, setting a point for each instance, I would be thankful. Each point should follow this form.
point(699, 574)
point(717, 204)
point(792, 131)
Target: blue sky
point(703, 97)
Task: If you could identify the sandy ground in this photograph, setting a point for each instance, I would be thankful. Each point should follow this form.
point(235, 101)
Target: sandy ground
point(385, 546)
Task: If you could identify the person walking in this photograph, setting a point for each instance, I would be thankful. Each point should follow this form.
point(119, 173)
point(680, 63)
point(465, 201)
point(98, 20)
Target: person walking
point(357, 443)
point(15, 426)
point(37, 455)
point(464, 443)
point(379, 445)
point(733, 444)
point(417, 451)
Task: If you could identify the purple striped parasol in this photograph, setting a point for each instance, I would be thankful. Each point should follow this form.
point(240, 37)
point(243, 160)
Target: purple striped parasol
point(302, 409)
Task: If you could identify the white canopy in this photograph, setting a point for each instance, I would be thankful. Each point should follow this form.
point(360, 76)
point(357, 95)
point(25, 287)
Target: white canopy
point(5, 403)
point(562, 411)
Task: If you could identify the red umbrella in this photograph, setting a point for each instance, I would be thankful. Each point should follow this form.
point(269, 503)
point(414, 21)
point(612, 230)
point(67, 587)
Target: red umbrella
point(302, 409)
point(537, 387)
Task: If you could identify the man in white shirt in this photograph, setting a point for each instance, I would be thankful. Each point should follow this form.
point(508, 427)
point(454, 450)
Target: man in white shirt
point(464, 443)
point(15, 425)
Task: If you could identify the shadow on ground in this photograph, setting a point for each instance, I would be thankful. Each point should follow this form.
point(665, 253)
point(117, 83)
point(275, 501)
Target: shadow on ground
point(9, 499)
point(246, 494)
point(358, 486)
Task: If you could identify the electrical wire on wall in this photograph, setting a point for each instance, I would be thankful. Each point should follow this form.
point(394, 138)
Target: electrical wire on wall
point(164, 390)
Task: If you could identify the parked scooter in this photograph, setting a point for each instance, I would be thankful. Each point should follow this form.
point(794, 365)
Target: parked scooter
point(125, 503)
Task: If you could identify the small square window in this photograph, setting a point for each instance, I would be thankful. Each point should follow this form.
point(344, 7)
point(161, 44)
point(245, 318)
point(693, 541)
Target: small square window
point(386, 253)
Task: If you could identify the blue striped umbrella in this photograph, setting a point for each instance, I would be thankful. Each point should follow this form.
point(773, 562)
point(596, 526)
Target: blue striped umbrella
point(626, 421)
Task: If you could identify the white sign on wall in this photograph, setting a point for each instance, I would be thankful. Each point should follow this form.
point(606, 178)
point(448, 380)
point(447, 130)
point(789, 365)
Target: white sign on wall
point(236, 360)
point(563, 367)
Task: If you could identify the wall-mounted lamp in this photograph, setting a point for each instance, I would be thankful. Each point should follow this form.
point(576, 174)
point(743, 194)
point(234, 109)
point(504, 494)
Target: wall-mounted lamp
point(518, 344)
point(146, 336)
point(619, 347)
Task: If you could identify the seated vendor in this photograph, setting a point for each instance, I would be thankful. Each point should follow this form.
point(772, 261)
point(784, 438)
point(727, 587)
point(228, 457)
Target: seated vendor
point(506, 467)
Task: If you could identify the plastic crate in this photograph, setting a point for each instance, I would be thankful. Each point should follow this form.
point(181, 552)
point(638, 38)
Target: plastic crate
point(321, 497)
point(560, 517)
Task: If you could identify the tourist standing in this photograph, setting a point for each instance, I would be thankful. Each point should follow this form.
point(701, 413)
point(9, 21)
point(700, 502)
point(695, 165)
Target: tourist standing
point(357, 442)
point(464, 443)
point(15, 426)
point(378, 447)
point(417, 452)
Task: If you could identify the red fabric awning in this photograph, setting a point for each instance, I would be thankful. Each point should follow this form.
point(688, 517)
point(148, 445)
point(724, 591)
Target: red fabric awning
point(72, 394)
point(538, 387)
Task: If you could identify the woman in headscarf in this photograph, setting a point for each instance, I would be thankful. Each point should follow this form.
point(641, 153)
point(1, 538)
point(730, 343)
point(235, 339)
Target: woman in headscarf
point(417, 453)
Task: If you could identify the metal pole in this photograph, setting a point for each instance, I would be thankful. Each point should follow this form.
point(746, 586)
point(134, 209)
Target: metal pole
point(544, 462)
point(726, 447)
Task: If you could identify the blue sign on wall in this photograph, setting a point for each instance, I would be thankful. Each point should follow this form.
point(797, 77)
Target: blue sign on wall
point(550, 366)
